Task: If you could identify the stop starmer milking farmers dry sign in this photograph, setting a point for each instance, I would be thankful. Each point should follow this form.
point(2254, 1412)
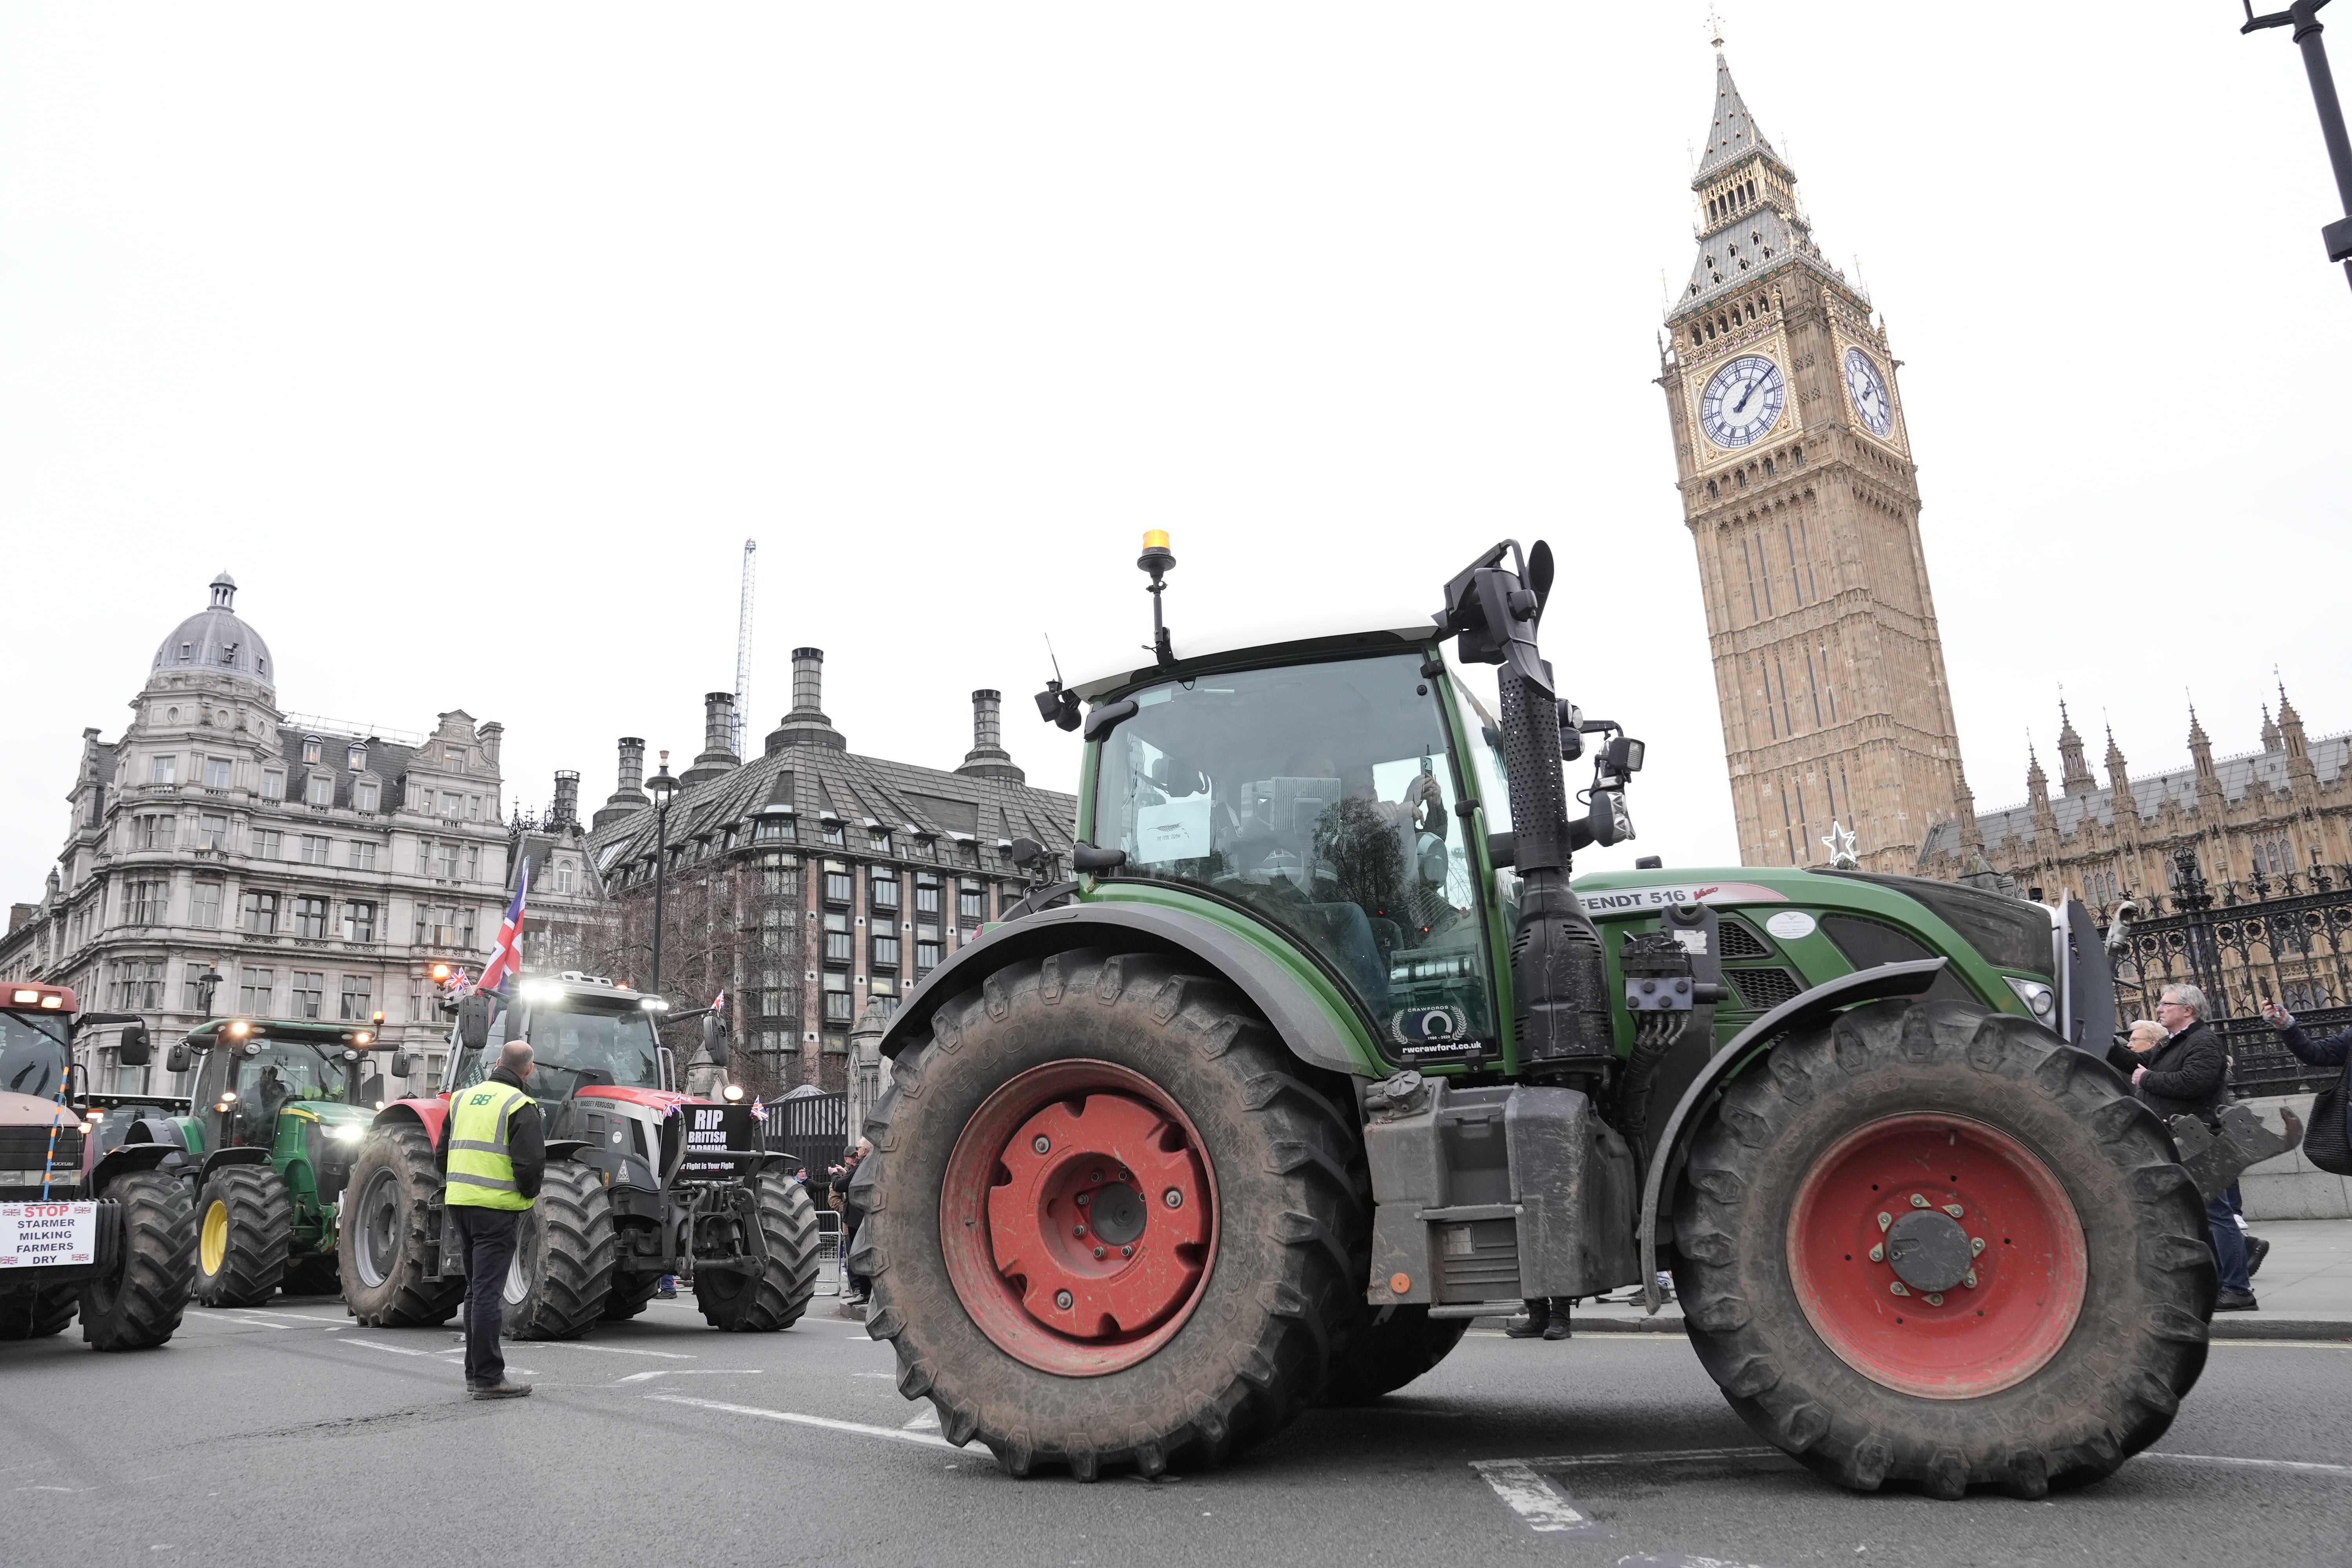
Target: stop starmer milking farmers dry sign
point(36, 1235)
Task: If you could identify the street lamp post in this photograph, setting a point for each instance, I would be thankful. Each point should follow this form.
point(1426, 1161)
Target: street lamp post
point(663, 787)
point(2303, 15)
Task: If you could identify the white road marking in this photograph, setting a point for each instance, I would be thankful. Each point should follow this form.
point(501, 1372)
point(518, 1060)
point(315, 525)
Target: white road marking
point(796, 1418)
point(888, 1375)
point(1647, 1560)
point(2254, 1463)
point(689, 1372)
point(249, 1314)
point(617, 1349)
point(928, 1421)
point(1539, 1502)
point(1661, 1457)
point(395, 1349)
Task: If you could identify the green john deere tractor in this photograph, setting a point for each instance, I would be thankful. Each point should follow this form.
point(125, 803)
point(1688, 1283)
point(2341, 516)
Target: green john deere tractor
point(1318, 1055)
point(278, 1112)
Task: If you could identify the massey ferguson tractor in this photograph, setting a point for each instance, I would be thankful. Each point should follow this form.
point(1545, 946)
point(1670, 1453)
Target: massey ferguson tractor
point(107, 1234)
point(642, 1181)
point(1318, 1056)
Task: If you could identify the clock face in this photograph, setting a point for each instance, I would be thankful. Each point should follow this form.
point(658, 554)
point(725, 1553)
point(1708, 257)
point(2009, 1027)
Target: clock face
point(1742, 401)
point(1868, 390)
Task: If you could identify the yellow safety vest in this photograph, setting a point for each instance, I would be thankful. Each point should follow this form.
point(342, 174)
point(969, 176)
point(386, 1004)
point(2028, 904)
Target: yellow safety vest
point(481, 1170)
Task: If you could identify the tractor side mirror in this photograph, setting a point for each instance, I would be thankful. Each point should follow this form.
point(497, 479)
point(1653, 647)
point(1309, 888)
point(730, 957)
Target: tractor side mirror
point(714, 1040)
point(177, 1058)
point(402, 1063)
point(135, 1049)
point(474, 1022)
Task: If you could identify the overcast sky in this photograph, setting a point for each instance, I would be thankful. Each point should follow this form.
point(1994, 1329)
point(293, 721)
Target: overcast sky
point(475, 341)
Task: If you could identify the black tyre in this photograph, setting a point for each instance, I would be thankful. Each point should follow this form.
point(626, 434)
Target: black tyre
point(628, 1296)
point(1156, 1110)
point(563, 1269)
point(319, 1274)
point(1935, 1245)
point(139, 1305)
point(391, 1233)
point(1389, 1348)
point(36, 1311)
point(244, 1223)
point(776, 1296)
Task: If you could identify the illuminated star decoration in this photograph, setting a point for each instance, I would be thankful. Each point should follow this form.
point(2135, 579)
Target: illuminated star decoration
point(1840, 844)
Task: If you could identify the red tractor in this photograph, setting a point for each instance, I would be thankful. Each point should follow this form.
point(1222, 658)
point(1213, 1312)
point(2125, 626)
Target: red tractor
point(642, 1181)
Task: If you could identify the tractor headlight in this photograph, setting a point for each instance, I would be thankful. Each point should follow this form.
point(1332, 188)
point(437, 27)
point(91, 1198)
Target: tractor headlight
point(347, 1131)
point(733, 1091)
point(2039, 999)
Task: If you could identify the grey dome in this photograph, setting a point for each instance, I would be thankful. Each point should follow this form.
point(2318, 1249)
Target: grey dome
point(216, 640)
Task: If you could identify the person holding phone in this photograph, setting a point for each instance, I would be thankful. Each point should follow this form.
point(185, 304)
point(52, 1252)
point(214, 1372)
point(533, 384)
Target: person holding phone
point(2329, 1051)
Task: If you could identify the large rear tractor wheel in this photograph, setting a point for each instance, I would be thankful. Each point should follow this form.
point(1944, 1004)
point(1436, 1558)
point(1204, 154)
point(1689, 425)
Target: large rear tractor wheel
point(1391, 1347)
point(1934, 1245)
point(391, 1234)
point(139, 1305)
point(563, 1269)
point(776, 1296)
point(1110, 1219)
point(34, 1311)
point(244, 1223)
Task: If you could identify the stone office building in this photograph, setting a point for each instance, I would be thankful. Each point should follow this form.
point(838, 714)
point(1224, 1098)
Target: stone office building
point(225, 857)
point(812, 881)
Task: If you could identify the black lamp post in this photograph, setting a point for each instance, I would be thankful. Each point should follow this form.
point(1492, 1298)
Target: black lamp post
point(206, 984)
point(663, 787)
point(2303, 15)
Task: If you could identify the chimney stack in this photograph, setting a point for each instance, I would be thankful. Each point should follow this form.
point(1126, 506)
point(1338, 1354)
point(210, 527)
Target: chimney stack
point(806, 724)
point(718, 740)
point(631, 795)
point(987, 759)
point(567, 798)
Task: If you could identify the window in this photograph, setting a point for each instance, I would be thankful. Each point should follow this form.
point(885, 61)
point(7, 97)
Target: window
point(885, 950)
point(310, 919)
point(878, 839)
point(143, 902)
point(465, 929)
point(192, 991)
point(316, 848)
point(140, 987)
point(836, 998)
point(152, 832)
point(309, 994)
point(420, 1006)
point(323, 789)
point(454, 756)
point(364, 795)
point(205, 904)
point(837, 888)
point(473, 808)
point(832, 834)
point(355, 757)
point(563, 876)
point(257, 913)
point(837, 945)
point(927, 949)
point(363, 855)
point(436, 925)
point(310, 748)
point(212, 831)
point(450, 805)
point(971, 903)
point(425, 854)
point(167, 771)
point(217, 771)
point(473, 862)
point(449, 863)
point(882, 891)
point(2272, 857)
point(926, 895)
point(359, 998)
point(253, 992)
point(359, 921)
point(273, 783)
point(268, 844)
point(773, 830)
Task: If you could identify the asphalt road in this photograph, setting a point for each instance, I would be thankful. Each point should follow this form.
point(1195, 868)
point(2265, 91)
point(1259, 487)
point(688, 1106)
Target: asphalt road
point(288, 1434)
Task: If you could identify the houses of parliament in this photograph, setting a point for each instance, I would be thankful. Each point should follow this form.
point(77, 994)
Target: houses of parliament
point(1794, 463)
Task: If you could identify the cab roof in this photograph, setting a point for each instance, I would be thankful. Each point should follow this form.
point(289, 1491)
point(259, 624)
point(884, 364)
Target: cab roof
point(1241, 636)
point(310, 1031)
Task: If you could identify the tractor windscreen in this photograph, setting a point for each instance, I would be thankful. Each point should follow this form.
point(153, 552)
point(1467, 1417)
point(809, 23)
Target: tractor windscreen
point(279, 1071)
point(32, 1054)
point(576, 1047)
point(1322, 797)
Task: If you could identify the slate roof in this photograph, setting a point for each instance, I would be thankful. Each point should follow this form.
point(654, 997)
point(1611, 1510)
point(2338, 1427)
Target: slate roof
point(2331, 755)
point(1734, 132)
point(387, 762)
point(1757, 239)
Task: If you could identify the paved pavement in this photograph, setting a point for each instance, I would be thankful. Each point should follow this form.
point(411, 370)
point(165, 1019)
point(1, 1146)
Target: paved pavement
point(290, 1435)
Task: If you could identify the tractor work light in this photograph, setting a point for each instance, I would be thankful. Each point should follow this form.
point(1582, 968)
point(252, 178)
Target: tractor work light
point(733, 1091)
point(362, 1039)
point(228, 1098)
point(652, 1003)
point(542, 991)
point(24, 998)
point(239, 1028)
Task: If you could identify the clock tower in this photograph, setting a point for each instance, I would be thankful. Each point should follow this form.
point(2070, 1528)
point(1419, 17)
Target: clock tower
point(1794, 463)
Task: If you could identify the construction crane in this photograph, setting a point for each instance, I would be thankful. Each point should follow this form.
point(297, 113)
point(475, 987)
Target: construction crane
point(743, 645)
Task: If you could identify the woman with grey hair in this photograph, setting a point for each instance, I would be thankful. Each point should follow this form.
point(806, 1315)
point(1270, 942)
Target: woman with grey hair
point(2187, 1075)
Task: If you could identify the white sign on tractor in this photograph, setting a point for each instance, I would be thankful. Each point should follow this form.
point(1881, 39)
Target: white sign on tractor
point(36, 1235)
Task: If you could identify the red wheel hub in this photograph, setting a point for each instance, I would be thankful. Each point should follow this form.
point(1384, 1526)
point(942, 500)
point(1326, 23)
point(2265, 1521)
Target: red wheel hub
point(1937, 1256)
point(1079, 1217)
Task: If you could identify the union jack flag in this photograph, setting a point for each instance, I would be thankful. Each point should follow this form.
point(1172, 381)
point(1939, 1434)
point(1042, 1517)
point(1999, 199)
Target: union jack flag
point(759, 1111)
point(506, 953)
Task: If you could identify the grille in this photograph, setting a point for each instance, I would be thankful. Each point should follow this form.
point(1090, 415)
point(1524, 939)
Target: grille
point(1740, 941)
point(1761, 990)
point(27, 1148)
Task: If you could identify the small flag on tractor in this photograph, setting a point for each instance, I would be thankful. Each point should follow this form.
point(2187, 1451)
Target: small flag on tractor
point(759, 1111)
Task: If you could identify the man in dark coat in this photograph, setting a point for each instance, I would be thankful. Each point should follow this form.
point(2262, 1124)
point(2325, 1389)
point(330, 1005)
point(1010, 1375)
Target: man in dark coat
point(2188, 1076)
point(2328, 1052)
point(853, 1214)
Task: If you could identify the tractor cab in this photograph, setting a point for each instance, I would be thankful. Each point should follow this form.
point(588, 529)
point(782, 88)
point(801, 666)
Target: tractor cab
point(585, 1033)
point(251, 1071)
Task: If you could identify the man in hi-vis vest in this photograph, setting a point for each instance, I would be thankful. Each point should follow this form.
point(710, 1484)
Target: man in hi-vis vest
point(492, 1155)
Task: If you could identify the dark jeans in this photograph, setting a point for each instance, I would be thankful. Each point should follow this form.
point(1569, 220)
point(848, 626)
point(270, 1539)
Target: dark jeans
point(2228, 1241)
point(489, 1239)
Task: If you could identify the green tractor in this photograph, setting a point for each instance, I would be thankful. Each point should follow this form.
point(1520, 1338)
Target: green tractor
point(1319, 1055)
point(278, 1112)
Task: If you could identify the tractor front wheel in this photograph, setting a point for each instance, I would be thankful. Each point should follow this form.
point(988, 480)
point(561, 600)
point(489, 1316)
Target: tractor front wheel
point(34, 1311)
point(244, 1223)
point(1935, 1245)
point(139, 1305)
point(563, 1269)
point(785, 1259)
point(391, 1234)
point(1391, 1347)
point(1110, 1219)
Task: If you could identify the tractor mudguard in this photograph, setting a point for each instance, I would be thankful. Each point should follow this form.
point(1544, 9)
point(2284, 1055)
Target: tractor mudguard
point(236, 1156)
point(1310, 1032)
point(125, 1158)
point(1750, 1045)
point(427, 1114)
